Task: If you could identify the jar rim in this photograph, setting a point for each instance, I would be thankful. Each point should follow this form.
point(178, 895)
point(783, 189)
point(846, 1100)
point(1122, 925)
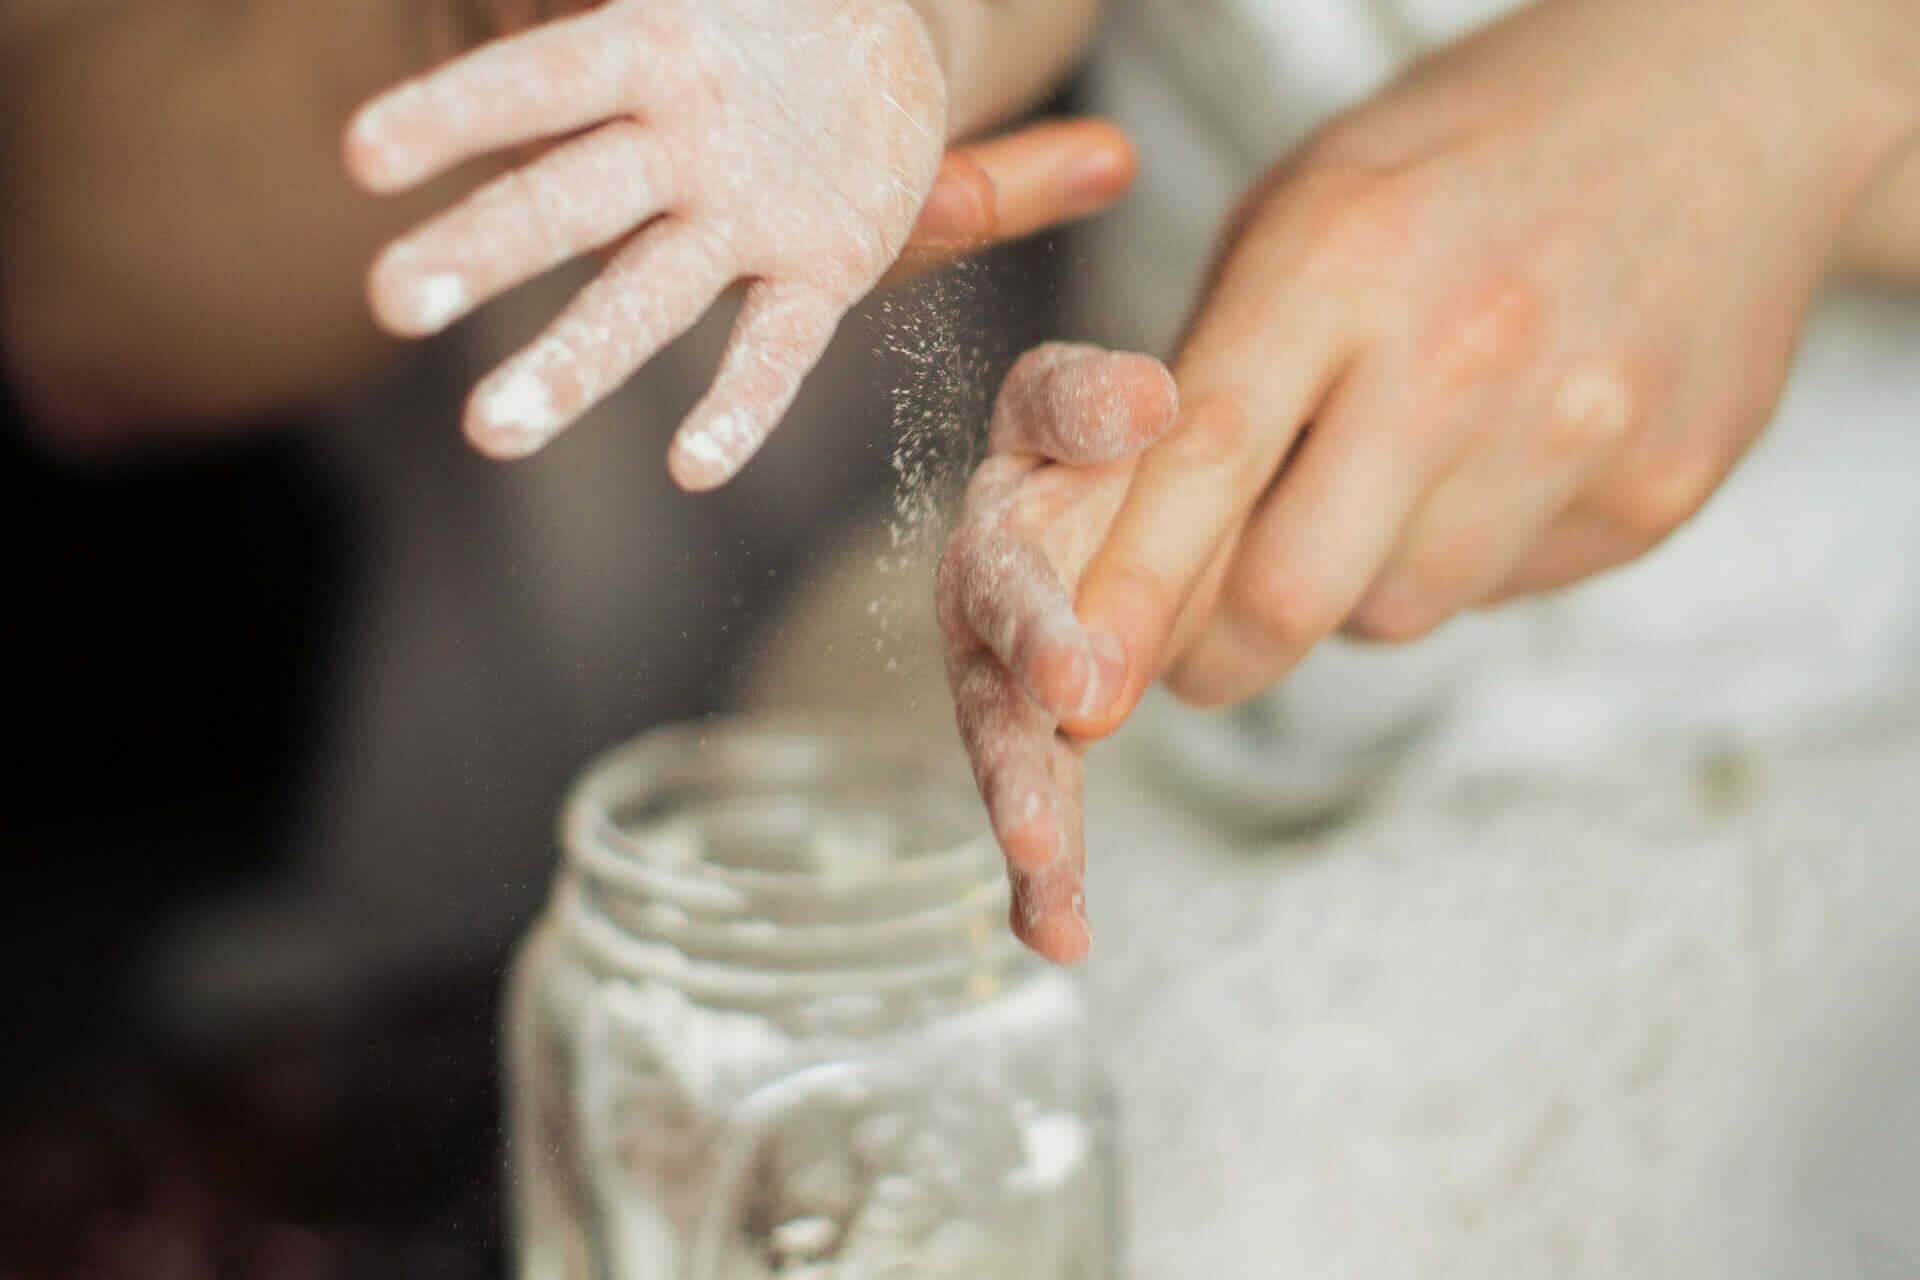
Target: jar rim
point(649, 891)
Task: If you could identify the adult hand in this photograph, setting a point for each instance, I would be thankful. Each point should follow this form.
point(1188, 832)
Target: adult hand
point(1534, 300)
point(1067, 428)
point(788, 147)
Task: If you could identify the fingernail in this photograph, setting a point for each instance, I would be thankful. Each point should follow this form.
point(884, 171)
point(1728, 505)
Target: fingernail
point(951, 215)
point(1109, 673)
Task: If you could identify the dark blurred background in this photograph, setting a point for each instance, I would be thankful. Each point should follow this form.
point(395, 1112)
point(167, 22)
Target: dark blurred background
point(291, 711)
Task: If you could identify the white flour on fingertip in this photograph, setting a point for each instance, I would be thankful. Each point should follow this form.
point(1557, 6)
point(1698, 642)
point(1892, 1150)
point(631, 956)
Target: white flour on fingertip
point(439, 300)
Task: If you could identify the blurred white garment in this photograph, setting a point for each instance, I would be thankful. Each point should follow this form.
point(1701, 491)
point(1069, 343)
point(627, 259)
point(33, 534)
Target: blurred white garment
point(1619, 974)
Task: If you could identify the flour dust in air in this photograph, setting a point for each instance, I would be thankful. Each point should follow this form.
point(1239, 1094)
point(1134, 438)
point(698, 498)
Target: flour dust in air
point(940, 410)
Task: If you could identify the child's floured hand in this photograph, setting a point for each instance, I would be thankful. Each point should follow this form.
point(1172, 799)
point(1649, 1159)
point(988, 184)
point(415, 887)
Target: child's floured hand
point(1067, 427)
point(784, 145)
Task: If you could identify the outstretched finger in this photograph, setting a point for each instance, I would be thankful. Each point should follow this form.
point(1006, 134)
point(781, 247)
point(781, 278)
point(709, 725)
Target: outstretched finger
point(779, 337)
point(652, 292)
point(1315, 543)
point(582, 195)
point(1252, 374)
point(556, 78)
point(1016, 185)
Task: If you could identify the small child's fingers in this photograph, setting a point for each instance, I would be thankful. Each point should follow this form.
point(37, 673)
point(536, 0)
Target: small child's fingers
point(1081, 404)
point(1012, 599)
point(576, 198)
point(656, 289)
point(1008, 738)
point(779, 337)
point(556, 78)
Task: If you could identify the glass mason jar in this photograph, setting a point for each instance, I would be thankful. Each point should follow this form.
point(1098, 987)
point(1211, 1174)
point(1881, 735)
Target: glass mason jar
point(772, 1024)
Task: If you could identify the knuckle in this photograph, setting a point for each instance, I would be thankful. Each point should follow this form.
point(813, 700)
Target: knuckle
point(1279, 610)
point(1357, 215)
point(636, 166)
point(1594, 408)
point(980, 713)
point(1215, 432)
point(1657, 498)
point(1321, 216)
point(1491, 328)
point(973, 582)
point(1396, 615)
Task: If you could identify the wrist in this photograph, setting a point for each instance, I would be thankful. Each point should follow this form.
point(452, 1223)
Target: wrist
point(1824, 95)
point(999, 58)
point(1867, 56)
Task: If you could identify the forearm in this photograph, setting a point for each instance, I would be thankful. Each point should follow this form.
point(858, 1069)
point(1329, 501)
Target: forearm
point(178, 242)
point(1004, 56)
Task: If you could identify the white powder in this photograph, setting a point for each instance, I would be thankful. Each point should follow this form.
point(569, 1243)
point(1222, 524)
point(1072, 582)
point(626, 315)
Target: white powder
point(1057, 1145)
point(805, 1239)
point(520, 412)
point(438, 299)
point(705, 446)
point(694, 1043)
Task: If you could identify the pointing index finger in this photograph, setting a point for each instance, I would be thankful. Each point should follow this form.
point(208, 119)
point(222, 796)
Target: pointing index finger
point(1250, 376)
point(554, 79)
